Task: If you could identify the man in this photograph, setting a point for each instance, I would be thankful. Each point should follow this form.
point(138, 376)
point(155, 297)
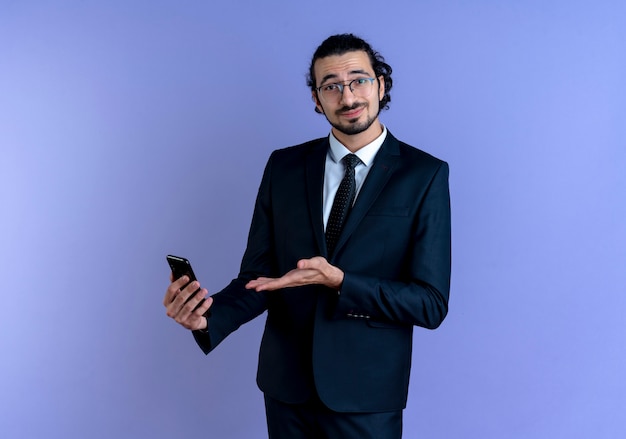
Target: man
point(346, 254)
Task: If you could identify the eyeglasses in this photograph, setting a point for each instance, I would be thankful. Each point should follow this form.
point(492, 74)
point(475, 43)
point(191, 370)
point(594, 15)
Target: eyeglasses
point(360, 87)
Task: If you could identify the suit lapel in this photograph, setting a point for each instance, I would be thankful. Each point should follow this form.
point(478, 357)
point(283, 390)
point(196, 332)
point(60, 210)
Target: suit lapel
point(315, 164)
point(383, 167)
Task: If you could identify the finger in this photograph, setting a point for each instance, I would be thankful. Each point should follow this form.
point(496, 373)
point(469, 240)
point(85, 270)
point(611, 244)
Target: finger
point(291, 279)
point(270, 285)
point(295, 278)
point(255, 282)
point(175, 287)
point(305, 263)
point(197, 319)
point(181, 281)
point(262, 287)
point(202, 309)
point(316, 262)
point(190, 289)
point(194, 300)
point(173, 290)
point(180, 298)
point(186, 316)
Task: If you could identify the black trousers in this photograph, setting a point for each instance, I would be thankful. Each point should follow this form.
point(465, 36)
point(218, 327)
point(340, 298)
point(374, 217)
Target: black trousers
point(313, 420)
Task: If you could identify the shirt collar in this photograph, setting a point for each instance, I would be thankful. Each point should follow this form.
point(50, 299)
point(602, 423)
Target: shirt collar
point(366, 154)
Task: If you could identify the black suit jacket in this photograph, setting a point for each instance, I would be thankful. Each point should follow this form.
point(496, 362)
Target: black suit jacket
point(352, 348)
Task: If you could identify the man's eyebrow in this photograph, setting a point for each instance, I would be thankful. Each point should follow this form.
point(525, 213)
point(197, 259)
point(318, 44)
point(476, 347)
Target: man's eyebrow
point(351, 72)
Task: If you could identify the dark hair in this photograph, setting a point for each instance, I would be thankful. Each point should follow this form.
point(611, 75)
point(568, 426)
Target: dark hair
point(344, 43)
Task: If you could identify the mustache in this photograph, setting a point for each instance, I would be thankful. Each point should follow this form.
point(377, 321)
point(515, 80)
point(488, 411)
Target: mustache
point(350, 108)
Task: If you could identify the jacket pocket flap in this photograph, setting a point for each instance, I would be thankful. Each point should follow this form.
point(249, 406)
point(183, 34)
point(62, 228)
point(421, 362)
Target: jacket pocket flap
point(387, 325)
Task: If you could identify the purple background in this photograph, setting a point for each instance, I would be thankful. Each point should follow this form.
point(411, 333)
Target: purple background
point(129, 129)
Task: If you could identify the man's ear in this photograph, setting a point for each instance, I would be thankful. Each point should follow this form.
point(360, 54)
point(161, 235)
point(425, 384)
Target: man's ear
point(318, 104)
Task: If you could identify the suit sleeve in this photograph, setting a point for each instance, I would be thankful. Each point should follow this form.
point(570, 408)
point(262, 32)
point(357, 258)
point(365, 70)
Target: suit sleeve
point(236, 305)
point(420, 295)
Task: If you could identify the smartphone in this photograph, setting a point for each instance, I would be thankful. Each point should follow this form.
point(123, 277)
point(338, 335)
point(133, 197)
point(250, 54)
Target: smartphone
point(182, 267)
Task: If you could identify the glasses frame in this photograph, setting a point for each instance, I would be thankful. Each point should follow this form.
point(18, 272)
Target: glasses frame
point(342, 86)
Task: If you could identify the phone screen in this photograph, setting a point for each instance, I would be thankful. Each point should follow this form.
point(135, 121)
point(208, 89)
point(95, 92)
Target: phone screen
point(180, 267)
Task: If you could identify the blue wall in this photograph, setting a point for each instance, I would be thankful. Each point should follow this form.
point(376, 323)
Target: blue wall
point(128, 129)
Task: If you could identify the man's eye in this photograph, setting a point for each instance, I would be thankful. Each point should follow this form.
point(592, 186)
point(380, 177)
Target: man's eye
point(330, 87)
point(361, 81)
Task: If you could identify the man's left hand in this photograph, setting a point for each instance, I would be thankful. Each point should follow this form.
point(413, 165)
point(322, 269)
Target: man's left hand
point(316, 270)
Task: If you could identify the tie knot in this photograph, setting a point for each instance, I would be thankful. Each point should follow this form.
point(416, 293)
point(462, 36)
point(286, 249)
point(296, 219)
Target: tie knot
point(350, 161)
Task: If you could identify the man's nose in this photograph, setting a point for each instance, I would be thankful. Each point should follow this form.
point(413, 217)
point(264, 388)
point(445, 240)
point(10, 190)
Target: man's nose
point(347, 96)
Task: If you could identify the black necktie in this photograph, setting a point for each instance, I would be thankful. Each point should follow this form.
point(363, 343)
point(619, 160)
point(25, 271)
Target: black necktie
point(342, 203)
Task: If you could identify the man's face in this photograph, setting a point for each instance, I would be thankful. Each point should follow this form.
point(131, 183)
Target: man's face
point(348, 113)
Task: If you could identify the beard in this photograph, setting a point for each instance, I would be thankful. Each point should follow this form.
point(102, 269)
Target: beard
point(352, 127)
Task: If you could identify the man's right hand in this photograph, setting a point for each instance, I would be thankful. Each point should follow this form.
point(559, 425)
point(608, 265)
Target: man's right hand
point(178, 308)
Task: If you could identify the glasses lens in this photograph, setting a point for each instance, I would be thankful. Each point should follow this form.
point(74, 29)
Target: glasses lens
point(331, 92)
point(362, 87)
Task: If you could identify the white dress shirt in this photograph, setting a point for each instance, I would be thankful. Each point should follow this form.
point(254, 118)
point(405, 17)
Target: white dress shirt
point(334, 169)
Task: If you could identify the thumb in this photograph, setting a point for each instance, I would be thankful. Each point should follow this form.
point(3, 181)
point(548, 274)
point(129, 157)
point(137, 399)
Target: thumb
point(316, 262)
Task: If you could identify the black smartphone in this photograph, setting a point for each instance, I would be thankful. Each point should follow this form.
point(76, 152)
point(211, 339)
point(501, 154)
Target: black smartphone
point(182, 267)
